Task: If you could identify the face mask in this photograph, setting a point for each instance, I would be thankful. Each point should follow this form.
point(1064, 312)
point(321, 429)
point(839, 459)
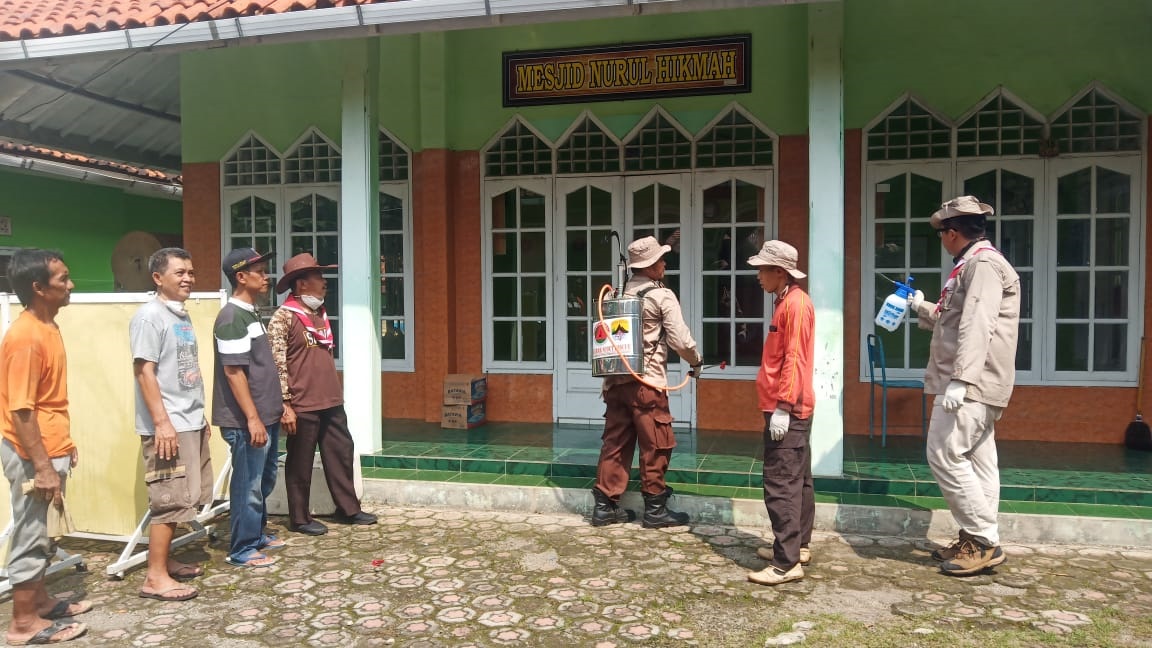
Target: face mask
point(312, 302)
point(175, 307)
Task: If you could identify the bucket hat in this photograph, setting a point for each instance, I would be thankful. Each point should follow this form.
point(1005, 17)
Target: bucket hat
point(297, 266)
point(779, 254)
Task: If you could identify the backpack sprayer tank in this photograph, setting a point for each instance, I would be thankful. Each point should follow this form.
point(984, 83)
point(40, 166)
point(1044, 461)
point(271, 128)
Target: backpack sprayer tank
point(620, 334)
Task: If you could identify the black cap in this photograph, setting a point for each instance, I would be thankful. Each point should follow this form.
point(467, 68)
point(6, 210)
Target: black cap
point(242, 259)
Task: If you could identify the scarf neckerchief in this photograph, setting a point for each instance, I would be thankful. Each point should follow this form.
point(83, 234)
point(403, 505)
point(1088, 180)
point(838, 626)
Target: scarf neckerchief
point(950, 284)
point(323, 335)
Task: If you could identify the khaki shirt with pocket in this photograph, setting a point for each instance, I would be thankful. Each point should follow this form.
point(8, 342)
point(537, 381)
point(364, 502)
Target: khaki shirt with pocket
point(661, 313)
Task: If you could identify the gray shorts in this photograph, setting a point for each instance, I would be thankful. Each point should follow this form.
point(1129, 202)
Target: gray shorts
point(30, 548)
point(179, 486)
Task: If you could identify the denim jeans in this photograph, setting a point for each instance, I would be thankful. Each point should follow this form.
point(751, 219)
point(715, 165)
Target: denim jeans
point(253, 477)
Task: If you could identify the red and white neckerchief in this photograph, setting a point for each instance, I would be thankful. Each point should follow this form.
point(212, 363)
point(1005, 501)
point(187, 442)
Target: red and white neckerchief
point(323, 335)
point(951, 283)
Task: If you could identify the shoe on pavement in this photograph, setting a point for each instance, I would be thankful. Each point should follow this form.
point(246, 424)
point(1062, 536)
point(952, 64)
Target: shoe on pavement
point(773, 576)
point(362, 518)
point(973, 557)
point(313, 528)
point(767, 554)
point(944, 554)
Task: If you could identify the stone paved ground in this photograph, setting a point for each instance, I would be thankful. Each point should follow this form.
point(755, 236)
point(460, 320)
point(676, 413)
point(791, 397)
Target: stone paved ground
point(458, 578)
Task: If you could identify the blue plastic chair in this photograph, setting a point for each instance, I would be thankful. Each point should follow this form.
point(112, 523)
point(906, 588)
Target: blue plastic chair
point(876, 362)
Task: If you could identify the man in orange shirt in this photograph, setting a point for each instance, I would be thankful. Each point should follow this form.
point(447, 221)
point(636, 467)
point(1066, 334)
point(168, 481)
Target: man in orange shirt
point(784, 387)
point(37, 445)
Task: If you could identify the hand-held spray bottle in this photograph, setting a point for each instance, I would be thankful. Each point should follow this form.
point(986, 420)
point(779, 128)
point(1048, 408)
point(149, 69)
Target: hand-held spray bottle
point(895, 307)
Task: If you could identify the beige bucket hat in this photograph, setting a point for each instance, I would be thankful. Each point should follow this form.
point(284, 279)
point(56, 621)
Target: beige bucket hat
point(960, 206)
point(646, 251)
point(779, 254)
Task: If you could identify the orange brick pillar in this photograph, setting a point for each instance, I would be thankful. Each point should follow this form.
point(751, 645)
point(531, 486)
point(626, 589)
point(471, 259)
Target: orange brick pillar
point(202, 221)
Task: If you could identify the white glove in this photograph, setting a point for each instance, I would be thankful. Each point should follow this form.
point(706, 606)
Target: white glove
point(954, 396)
point(778, 426)
point(915, 300)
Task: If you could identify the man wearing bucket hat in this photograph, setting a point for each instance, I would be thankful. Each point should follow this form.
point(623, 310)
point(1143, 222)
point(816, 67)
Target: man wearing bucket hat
point(302, 345)
point(637, 413)
point(786, 396)
point(971, 371)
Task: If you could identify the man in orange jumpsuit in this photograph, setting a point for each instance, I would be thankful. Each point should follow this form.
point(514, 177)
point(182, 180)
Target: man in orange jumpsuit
point(784, 386)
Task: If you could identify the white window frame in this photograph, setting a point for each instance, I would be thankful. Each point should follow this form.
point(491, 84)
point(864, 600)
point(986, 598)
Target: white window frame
point(402, 189)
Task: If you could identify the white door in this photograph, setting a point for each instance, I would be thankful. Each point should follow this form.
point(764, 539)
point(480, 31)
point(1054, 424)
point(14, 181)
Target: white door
point(587, 211)
point(659, 205)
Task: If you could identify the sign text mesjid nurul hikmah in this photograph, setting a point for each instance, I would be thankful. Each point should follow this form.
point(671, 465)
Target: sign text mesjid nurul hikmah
point(628, 71)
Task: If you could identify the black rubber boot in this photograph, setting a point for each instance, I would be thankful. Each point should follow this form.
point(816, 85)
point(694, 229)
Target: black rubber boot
point(657, 514)
point(608, 512)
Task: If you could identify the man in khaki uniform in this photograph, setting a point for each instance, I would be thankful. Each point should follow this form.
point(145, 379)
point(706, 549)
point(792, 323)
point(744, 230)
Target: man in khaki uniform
point(638, 413)
point(971, 371)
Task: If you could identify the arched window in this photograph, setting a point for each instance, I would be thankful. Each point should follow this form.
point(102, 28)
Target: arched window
point(588, 149)
point(659, 145)
point(909, 131)
point(1097, 123)
point(734, 141)
point(1000, 127)
point(313, 160)
point(251, 163)
point(519, 151)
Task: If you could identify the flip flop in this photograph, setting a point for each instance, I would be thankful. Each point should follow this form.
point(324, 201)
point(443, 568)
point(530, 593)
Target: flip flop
point(186, 573)
point(255, 561)
point(44, 637)
point(270, 543)
point(160, 596)
point(60, 610)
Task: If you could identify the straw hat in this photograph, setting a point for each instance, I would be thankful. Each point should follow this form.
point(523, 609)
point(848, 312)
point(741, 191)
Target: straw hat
point(779, 254)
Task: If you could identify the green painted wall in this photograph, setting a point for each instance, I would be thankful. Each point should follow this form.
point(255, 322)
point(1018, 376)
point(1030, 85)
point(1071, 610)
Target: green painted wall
point(84, 221)
point(952, 54)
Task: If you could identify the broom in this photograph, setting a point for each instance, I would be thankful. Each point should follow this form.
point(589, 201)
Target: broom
point(1138, 436)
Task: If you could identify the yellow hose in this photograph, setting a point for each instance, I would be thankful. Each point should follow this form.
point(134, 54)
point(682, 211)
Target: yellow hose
point(600, 311)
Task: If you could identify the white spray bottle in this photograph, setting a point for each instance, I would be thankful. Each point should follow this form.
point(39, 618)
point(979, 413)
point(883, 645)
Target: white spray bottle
point(895, 307)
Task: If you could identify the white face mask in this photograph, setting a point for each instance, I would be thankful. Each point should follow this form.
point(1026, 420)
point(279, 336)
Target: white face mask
point(175, 307)
point(312, 302)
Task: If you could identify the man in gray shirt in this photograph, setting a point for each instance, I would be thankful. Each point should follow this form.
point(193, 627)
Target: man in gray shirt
point(170, 420)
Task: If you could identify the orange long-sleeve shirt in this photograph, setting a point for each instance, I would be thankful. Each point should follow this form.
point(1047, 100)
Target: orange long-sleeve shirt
point(785, 377)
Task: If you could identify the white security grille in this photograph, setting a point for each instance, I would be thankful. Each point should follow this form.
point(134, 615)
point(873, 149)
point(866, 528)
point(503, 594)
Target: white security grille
point(909, 132)
point(658, 146)
point(313, 160)
point(393, 159)
point(252, 163)
point(734, 142)
point(1000, 127)
point(588, 149)
point(518, 152)
point(1096, 124)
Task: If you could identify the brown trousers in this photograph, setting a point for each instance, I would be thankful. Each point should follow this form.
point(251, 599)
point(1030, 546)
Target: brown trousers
point(635, 414)
point(788, 494)
point(327, 428)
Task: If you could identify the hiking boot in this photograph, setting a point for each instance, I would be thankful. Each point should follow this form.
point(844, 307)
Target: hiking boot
point(607, 512)
point(767, 554)
point(973, 557)
point(944, 554)
point(658, 515)
point(774, 575)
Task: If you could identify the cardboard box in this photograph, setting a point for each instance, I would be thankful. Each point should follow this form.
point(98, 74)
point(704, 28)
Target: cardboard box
point(462, 417)
point(464, 389)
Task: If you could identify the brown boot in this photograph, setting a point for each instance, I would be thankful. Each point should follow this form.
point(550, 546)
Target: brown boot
point(973, 557)
point(944, 554)
point(605, 511)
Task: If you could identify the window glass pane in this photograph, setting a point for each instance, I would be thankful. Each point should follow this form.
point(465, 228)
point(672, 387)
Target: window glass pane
point(893, 343)
point(1072, 290)
point(1073, 238)
point(1074, 193)
point(982, 186)
point(1027, 293)
point(749, 296)
point(576, 206)
point(241, 216)
point(504, 342)
point(392, 296)
point(1016, 241)
point(749, 202)
point(327, 250)
point(504, 247)
point(534, 251)
point(717, 296)
point(504, 292)
point(601, 208)
point(923, 246)
point(670, 236)
point(535, 341)
point(718, 203)
point(1072, 347)
point(504, 211)
point(919, 342)
point(1024, 347)
point(644, 206)
point(748, 242)
point(717, 243)
point(327, 215)
point(533, 296)
point(531, 209)
point(602, 244)
point(927, 194)
point(332, 299)
point(302, 244)
point(714, 343)
point(1113, 192)
point(1018, 195)
point(391, 253)
point(391, 212)
point(301, 211)
point(749, 344)
point(890, 197)
point(578, 341)
point(1111, 347)
point(1112, 294)
point(577, 241)
point(392, 339)
point(891, 245)
point(1112, 241)
point(578, 295)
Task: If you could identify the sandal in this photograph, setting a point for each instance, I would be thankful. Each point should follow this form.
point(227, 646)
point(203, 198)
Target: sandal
point(269, 542)
point(60, 610)
point(255, 560)
point(47, 635)
point(163, 595)
point(186, 572)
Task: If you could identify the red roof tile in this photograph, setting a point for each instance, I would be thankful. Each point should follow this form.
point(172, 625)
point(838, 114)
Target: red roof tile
point(46, 18)
point(74, 159)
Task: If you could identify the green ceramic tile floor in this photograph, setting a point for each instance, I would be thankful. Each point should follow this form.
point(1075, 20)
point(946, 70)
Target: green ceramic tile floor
point(1045, 478)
